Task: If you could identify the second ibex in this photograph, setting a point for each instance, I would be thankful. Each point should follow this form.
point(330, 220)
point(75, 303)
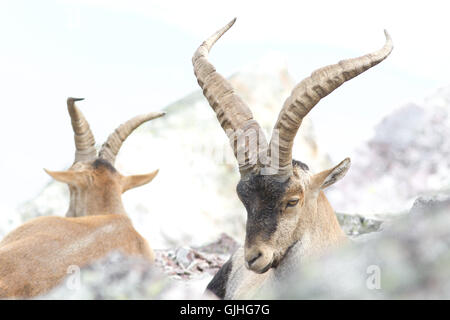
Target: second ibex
point(36, 256)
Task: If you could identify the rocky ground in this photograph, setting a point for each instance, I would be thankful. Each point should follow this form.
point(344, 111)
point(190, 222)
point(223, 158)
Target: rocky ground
point(180, 273)
point(405, 258)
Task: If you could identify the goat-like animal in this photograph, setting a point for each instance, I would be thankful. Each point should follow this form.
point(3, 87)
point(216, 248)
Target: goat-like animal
point(289, 219)
point(36, 256)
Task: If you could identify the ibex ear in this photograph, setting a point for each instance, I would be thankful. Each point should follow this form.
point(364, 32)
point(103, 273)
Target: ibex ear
point(130, 182)
point(326, 178)
point(69, 177)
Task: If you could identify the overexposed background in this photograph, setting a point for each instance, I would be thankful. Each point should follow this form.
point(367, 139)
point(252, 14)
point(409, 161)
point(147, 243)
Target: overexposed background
point(131, 57)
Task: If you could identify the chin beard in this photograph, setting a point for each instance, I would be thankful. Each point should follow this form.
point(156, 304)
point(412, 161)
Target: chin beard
point(275, 263)
point(280, 257)
point(277, 259)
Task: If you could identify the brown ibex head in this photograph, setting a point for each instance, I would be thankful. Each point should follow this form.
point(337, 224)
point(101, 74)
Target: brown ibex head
point(280, 195)
point(95, 185)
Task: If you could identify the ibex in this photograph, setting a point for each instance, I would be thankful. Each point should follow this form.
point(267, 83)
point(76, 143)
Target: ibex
point(35, 257)
point(288, 215)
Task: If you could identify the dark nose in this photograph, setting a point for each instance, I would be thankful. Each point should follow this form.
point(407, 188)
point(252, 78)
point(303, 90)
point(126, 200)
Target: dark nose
point(255, 257)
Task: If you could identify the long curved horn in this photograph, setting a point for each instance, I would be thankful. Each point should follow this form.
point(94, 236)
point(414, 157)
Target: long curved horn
point(236, 119)
point(309, 92)
point(111, 147)
point(84, 139)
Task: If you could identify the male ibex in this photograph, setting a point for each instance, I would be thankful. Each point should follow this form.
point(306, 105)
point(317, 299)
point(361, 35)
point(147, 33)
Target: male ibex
point(35, 257)
point(288, 216)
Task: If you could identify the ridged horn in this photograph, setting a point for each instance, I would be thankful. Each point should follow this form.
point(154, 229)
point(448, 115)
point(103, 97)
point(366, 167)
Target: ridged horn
point(245, 134)
point(111, 147)
point(84, 139)
point(309, 92)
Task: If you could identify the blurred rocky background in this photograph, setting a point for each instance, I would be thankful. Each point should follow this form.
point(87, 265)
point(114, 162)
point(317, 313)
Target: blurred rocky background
point(408, 156)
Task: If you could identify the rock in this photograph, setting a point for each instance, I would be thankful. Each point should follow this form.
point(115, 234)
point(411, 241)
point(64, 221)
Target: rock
point(410, 259)
point(223, 245)
point(431, 204)
point(117, 277)
point(408, 156)
point(184, 256)
point(186, 263)
point(356, 225)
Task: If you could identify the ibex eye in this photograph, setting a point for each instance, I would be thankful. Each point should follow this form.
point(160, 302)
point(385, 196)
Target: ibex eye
point(292, 203)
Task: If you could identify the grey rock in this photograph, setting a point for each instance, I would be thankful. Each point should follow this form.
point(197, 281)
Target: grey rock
point(114, 277)
point(431, 204)
point(196, 263)
point(184, 256)
point(356, 225)
point(122, 277)
point(407, 156)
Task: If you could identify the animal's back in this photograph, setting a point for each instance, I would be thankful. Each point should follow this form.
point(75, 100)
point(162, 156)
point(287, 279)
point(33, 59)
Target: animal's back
point(35, 256)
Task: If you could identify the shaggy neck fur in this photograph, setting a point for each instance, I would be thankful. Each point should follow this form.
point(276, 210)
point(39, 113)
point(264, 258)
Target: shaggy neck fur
point(100, 196)
point(83, 204)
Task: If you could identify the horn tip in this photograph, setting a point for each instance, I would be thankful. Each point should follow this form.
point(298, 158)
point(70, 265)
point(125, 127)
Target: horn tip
point(230, 24)
point(159, 114)
point(389, 44)
point(388, 37)
point(71, 99)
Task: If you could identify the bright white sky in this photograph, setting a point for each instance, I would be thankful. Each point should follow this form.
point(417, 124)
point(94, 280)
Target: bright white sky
point(130, 57)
